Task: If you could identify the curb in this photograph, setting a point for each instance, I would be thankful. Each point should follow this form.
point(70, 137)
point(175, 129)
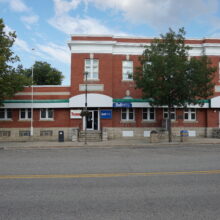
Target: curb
point(147, 145)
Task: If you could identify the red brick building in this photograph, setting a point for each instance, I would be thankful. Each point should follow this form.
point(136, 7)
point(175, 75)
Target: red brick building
point(116, 108)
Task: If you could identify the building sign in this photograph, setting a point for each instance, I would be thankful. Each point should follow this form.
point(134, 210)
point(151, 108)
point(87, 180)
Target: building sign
point(122, 104)
point(106, 114)
point(75, 114)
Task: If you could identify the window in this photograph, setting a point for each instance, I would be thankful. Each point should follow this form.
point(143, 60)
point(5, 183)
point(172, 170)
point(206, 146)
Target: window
point(5, 133)
point(173, 114)
point(46, 133)
point(190, 114)
point(46, 114)
point(92, 68)
point(127, 114)
point(127, 70)
point(146, 65)
point(24, 133)
point(5, 114)
point(148, 114)
point(25, 113)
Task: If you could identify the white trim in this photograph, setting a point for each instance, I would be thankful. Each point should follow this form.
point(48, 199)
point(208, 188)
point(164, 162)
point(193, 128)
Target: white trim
point(114, 47)
point(148, 115)
point(215, 102)
point(41, 86)
point(91, 72)
point(47, 118)
point(43, 93)
point(36, 105)
point(26, 114)
point(6, 118)
point(93, 100)
point(132, 37)
point(127, 115)
point(189, 112)
point(91, 87)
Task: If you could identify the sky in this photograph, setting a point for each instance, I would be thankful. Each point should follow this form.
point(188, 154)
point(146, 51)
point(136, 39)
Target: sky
point(44, 27)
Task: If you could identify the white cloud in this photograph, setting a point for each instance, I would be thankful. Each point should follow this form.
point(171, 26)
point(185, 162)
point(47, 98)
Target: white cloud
point(18, 6)
point(160, 13)
point(30, 19)
point(70, 25)
point(62, 7)
point(55, 52)
point(21, 44)
point(76, 25)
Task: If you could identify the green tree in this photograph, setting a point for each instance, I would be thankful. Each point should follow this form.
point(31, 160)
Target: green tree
point(11, 78)
point(44, 74)
point(169, 78)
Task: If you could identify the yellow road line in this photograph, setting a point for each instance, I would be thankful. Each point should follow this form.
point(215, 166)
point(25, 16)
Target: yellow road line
point(105, 175)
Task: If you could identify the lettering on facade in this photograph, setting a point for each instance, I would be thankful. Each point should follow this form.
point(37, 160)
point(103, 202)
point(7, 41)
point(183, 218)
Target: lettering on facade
point(122, 105)
point(106, 114)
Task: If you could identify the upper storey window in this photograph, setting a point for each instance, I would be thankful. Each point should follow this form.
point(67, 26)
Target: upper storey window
point(92, 69)
point(127, 70)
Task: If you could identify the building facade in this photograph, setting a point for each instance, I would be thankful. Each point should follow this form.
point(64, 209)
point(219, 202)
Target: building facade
point(101, 76)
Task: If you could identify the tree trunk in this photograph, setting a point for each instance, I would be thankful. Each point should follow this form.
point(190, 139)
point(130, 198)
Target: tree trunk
point(169, 124)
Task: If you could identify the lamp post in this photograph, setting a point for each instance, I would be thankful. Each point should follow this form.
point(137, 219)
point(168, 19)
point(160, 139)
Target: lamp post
point(86, 115)
point(32, 99)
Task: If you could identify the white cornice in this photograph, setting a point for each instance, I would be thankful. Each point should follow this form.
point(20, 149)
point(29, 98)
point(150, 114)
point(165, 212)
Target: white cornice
point(114, 47)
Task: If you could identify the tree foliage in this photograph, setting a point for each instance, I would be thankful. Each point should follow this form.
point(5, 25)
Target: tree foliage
point(44, 74)
point(169, 78)
point(11, 78)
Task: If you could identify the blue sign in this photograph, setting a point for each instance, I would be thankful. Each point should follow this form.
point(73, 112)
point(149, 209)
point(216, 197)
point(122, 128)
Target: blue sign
point(122, 104)
point(106, 114)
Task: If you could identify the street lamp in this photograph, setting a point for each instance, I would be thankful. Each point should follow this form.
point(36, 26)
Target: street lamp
point(32, 99)
point(86, 112)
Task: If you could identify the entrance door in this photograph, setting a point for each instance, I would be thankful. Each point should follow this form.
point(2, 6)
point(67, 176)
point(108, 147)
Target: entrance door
point(92, 120)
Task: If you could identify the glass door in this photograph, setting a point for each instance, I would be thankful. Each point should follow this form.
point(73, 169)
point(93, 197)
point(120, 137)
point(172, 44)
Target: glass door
point(92, 120)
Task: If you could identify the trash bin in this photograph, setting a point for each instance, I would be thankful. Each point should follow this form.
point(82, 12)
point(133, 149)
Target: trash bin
point(154, 137)
point(61, 136)
point(184, 134)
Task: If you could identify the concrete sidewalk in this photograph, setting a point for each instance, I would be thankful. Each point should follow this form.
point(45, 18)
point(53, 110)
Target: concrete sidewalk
point(109, 143)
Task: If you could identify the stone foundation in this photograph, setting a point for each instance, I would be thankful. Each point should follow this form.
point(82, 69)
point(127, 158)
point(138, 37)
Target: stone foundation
point(40, 134)
point(135, 133)
point(71, 134)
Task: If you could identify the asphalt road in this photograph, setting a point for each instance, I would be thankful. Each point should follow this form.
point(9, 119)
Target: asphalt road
point(109, 183)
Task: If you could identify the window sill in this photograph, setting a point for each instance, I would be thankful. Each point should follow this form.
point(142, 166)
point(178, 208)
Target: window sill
point(127, 121)
point(23, 120)
point(127, 80)
point(149, 121)
point(5, 119)
point(91, 80)
point(190, 121)
point(46, 119)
